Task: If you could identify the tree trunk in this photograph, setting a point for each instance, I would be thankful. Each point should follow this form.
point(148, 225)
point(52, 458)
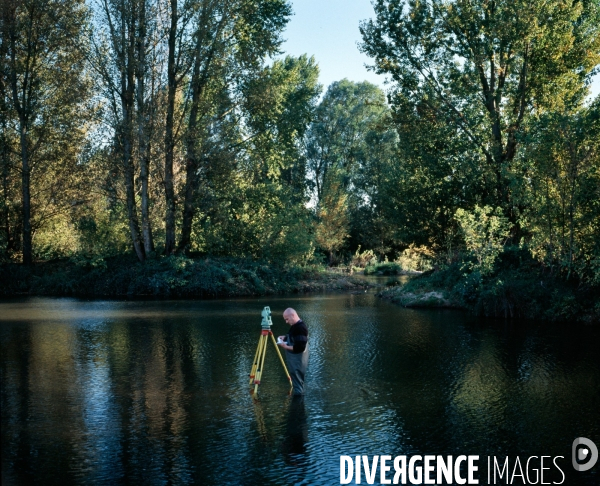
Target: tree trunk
point(143, 129)
point(26, 200)
point(22, 108)
point(146, 226)
point(188, 205)
point(127, 101)
point(5, 196)
point(169, 140)
point(191, 166)
point(4, 150)
point(134, 226)
point(25, 187)
point(191, 178)
point(199, 79)
point(5, 160)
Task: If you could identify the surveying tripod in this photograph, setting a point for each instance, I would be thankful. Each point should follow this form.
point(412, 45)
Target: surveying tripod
point(261, 351)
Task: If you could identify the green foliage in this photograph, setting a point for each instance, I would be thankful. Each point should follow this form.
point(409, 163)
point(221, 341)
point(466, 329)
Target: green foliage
point(485, 231)
point(384, 268)
point(518, 287)
point(433, 173)
point(416, 259)
point(251, 202)
point(260, 220)
point(290, 237)
point(477, 72)
point(362, 259)
point(488, 101)
point(280, 101)
point(338, 136)
point(412, 259)
point(45, 109)
point(562, 214)
point(332, 223)
point(351, 137)
point(101, 233)
point(87, 235)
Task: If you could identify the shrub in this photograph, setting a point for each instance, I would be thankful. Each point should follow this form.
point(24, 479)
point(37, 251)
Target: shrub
point(361, 260)
point(416, 259)
point(385, 268)
point(485, 231)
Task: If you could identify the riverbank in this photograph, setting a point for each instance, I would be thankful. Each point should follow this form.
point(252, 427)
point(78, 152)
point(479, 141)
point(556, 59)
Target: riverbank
point(169, 277)
point(518, 287)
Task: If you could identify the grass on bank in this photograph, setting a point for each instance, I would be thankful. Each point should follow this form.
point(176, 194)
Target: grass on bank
point(172, 277)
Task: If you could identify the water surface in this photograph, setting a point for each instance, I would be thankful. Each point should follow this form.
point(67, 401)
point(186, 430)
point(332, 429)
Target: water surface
point(113, 392)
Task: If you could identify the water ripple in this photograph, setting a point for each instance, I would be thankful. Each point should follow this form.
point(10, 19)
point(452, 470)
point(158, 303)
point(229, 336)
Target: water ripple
point(157, 393)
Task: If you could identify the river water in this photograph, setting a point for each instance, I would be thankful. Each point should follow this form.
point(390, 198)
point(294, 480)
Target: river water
point(114, 392)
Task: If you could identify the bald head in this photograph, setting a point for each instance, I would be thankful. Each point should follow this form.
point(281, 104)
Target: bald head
point(290, 316)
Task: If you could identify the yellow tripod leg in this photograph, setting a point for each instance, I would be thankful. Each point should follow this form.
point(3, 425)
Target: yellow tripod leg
point(260, 358)
point(255, 362)
point(262, 362)
point(257, 371)
point(281, 359)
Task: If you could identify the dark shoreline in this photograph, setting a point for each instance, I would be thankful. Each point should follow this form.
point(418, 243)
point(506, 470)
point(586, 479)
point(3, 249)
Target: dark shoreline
point(525, 291)
point(170, 278)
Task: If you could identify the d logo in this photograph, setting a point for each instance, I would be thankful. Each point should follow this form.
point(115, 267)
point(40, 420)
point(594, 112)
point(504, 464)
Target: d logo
point(585, 457)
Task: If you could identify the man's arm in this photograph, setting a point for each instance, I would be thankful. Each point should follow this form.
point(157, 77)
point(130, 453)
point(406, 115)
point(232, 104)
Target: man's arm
point(300, 337)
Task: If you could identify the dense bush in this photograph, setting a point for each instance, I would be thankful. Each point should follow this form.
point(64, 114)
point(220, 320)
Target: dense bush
point(518, 286)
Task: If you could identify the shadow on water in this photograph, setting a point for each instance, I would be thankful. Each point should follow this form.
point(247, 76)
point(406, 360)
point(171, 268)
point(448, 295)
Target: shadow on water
point(157, 392)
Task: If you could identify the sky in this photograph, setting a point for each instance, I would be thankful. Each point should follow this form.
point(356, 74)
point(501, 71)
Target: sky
point(328, 30)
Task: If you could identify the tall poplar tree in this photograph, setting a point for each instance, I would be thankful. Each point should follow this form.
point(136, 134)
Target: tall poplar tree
point(231, 40)
point(44, 86)
point(125, 44)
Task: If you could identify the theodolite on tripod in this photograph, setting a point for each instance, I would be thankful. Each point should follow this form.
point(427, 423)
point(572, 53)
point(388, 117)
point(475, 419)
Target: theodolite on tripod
point(261, 351)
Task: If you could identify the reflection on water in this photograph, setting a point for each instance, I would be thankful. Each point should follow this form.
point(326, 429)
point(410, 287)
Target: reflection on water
point(156, 392)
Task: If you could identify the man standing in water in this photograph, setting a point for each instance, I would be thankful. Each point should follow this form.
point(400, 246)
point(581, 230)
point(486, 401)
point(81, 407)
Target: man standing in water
point(295, 344)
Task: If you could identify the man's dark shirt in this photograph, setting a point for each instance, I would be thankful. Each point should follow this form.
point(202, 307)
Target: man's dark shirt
point(298, 336)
